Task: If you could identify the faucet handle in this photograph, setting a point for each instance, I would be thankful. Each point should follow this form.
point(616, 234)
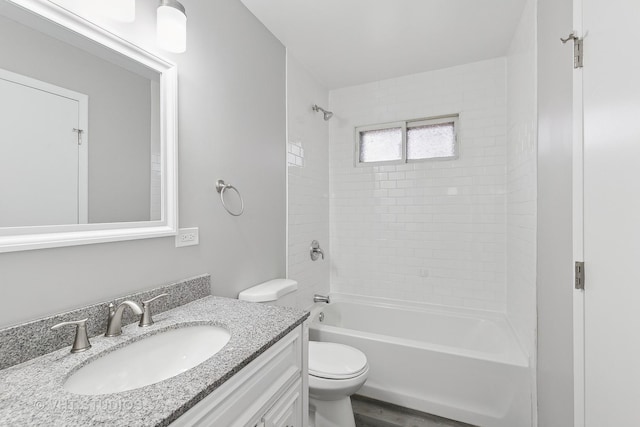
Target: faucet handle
point(81, 341)
point(315, 250)
point(146, 319)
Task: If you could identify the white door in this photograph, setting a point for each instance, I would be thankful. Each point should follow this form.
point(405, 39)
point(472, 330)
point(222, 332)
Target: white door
point(611, 91)
point(42, 166)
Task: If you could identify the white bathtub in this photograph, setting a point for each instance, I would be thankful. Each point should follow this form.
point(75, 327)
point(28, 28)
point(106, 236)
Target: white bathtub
point(458, 364)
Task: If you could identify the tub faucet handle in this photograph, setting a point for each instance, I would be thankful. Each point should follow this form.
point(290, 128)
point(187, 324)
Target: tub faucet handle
point(81, 341)
point(146, 319)
point(315, 251)
point(321, 298)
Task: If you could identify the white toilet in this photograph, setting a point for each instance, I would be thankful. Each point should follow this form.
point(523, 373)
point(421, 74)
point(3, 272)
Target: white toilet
point(336, 371)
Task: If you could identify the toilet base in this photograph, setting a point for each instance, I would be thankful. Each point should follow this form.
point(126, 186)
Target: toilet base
point(331, 413)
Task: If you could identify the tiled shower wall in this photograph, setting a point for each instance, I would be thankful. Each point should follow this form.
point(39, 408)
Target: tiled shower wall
point(521, 179)
point(308, 186)
point(431, 231)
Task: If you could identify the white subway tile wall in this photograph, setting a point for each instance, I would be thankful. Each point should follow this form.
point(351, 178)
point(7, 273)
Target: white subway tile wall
point(308, 187)
point(522, 179)
point(431, 231)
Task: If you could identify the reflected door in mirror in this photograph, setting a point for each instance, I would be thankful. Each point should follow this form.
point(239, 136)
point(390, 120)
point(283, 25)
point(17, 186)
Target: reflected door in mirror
point(43, 153)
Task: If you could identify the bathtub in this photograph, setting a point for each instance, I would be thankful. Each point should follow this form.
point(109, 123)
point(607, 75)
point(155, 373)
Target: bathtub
point(464, 365)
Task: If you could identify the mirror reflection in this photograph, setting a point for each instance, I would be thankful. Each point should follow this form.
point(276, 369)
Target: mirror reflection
point(79, 134)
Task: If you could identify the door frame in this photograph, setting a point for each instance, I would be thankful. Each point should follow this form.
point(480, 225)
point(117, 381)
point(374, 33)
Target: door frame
point(578, 231)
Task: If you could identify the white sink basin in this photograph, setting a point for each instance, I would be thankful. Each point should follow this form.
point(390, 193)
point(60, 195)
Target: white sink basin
point(149, 360)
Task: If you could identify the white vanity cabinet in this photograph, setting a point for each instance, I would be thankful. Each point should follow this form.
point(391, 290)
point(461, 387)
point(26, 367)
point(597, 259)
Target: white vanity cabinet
point(271, 391)
point(287, 411)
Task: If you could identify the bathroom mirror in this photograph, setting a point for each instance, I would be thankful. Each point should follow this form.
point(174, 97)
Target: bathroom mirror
point(87, 133)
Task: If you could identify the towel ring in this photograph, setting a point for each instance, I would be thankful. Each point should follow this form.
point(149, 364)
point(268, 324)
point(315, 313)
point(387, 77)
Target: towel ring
point(221, 187)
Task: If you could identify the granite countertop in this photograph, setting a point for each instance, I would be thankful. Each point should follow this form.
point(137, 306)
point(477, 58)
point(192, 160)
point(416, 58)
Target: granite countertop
point(32, 394)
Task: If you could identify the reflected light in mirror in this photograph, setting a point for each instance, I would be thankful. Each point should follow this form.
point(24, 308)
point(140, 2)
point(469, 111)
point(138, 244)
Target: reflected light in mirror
point(172, 26)
point(119, 10)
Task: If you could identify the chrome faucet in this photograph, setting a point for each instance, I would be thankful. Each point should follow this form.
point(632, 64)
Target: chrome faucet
point(321, 298)
point(315, 251)
point(114, 323)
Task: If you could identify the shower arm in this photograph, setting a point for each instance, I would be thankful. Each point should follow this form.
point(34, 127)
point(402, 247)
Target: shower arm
point(327, 114)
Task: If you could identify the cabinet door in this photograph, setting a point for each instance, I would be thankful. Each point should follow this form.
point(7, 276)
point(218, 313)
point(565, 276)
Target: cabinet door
point(287, 411)
point(254, 391)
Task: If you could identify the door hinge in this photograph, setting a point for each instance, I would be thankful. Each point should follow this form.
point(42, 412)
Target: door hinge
point(579, 274)
point(578, 54)
point(79, 132)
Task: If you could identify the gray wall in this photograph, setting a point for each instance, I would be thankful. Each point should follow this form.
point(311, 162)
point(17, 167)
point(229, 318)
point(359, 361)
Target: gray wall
point(555, 250)
point(232, 126)
point(119, 117)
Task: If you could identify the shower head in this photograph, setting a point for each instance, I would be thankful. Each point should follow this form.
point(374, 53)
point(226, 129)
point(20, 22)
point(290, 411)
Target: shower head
point(327, 114)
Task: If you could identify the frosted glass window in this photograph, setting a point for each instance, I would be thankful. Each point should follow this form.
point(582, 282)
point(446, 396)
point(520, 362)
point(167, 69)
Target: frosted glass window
point(409, 140)
point(380, 145)
point(431, 141)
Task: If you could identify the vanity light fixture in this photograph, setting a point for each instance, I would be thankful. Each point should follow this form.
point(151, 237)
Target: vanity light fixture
point(172, 26)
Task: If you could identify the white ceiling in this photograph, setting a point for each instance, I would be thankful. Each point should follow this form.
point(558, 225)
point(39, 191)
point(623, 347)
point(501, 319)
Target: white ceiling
point(348, 42)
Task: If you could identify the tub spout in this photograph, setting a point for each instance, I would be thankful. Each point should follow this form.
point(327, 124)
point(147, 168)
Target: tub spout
point(321, 298)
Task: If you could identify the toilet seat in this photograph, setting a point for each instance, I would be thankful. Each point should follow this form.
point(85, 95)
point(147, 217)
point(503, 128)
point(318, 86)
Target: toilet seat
point(335, 361)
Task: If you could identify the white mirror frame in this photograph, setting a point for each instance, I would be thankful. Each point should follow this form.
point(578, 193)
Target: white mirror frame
point(39, 237)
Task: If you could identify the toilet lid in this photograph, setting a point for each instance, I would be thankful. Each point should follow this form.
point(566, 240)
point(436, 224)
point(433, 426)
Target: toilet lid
point(335, 361)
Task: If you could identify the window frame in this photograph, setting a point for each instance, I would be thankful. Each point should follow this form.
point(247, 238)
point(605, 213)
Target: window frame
point(393, 125)
point(405, 125)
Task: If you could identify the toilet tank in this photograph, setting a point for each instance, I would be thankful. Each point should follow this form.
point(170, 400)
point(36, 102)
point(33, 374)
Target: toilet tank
point(275, 292)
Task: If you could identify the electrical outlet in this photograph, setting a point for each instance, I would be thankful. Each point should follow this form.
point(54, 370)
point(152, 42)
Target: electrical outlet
point(187, 237)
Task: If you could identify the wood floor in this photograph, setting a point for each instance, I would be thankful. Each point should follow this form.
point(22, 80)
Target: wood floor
point(374, 413)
